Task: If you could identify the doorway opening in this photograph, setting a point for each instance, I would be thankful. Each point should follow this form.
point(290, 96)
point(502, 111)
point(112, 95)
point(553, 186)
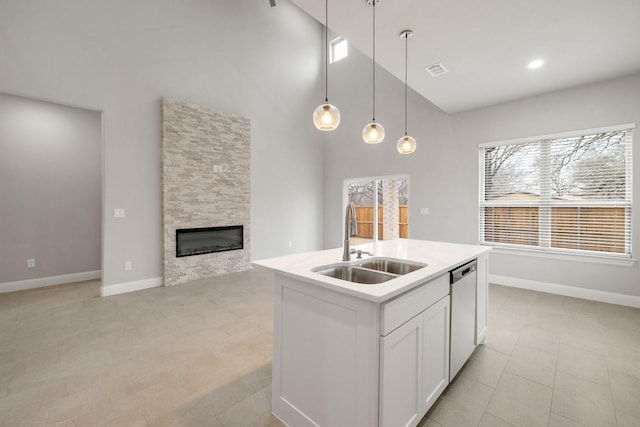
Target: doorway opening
point(51, 170)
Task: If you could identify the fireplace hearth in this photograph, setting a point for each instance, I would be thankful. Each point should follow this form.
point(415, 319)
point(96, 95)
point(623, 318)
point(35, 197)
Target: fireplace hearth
point(199, 241)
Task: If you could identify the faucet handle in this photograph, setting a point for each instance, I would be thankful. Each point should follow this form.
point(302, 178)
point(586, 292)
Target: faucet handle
point(360, 252)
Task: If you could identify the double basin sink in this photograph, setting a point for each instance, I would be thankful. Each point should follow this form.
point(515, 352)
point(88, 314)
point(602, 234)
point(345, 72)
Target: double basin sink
point(370, 271)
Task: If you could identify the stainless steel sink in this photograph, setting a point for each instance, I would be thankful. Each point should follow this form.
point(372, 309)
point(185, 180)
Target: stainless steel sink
point(369, 272)
point(391, 266)
point(357, 274)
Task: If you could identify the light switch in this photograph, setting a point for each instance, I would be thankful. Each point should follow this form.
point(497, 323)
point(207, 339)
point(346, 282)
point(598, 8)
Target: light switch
point(31, 263)
point(118, 213)
point(424, 211)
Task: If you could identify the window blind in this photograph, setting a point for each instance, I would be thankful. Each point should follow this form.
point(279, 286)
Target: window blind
point(566, 193)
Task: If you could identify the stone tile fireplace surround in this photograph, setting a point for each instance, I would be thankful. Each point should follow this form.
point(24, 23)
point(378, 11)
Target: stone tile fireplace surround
point(205, 183)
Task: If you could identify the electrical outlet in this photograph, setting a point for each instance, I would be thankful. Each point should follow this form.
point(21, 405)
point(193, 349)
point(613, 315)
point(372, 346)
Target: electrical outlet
point(128, 265)
point(424, 211)
point(118, 213)
point(31, 263)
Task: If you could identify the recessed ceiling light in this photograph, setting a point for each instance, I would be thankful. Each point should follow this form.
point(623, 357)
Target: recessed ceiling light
point(535, 64)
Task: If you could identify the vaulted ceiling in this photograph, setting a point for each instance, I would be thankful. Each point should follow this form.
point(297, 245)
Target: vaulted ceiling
point(486, 44)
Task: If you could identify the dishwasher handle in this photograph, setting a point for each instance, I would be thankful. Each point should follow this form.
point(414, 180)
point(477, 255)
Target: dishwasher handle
point(463, 271)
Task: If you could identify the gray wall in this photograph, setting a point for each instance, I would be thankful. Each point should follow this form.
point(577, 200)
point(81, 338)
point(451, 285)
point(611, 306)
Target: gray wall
point(264, 63)
point(50, 189)
point(443, 171)
point(122, 57)
point(348, 156)
point(602, 104)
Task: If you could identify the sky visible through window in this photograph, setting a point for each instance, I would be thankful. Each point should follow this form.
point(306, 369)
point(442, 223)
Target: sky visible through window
point(591, 166)
point(339, 49)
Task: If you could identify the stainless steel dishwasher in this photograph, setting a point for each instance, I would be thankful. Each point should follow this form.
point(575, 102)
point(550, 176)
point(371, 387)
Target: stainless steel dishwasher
point(463, 316)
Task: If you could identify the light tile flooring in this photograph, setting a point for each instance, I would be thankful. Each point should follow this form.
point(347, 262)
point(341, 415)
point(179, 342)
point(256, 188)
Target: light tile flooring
point(550, 361)
point(200, 355)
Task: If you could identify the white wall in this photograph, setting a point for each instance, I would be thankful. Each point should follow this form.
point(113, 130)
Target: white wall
point(444, 169)
point(602, 104)
point(121, 57)
point(50, 189)
point(348, 156)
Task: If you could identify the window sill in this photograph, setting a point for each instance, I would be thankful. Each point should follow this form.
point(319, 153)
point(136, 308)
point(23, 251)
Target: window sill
point(598, 259)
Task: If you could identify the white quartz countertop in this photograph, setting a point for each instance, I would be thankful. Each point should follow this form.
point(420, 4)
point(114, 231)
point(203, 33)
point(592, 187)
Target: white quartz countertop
point(440, 258)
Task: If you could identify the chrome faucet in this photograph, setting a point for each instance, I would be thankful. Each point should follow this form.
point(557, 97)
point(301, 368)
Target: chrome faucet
point(348, 219)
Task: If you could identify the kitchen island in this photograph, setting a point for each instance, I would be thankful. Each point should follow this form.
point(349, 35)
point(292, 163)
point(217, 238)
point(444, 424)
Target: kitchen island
point(356, 354)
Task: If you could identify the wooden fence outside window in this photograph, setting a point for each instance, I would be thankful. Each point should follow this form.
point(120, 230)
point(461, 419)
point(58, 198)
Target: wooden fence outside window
point(364, 219)
point(600, 229)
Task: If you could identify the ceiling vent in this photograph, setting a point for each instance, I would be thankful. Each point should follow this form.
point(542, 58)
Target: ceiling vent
point(437, 69)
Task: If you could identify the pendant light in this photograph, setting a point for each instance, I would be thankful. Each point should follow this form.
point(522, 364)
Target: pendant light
point(326, 117)
point(373, 133)
point(406, 144)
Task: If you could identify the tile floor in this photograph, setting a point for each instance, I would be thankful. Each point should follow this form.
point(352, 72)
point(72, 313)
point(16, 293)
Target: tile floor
point(200, 355)
point(550, 361)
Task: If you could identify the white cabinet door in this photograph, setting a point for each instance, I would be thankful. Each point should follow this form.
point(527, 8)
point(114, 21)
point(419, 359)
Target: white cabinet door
point(435, 359)
point(414, 365)
point(400, 375)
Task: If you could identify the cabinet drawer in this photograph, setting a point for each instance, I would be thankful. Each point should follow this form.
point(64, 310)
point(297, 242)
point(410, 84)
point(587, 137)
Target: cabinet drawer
point(399, 310)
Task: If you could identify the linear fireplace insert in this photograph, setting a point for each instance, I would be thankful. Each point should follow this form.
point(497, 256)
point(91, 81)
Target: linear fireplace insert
point(198, 241)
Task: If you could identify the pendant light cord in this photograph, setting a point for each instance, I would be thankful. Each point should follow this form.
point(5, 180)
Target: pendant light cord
point(374, 60)
point(326, 51)
point(406, 66)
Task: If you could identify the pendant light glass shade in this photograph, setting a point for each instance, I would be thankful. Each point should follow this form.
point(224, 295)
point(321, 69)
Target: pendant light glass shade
point(406, 144)
point(373, 133)
point(326, 117)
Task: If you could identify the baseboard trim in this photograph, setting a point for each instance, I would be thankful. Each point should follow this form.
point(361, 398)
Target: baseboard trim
point(138, 285)
point(569, 291)
point(43, 282)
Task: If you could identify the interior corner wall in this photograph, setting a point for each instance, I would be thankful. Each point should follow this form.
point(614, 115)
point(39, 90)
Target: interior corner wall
point(196, 140)
point(242, 57)
point(432, 183)
point(443, 171)
point(50, 189)
point(595, 105)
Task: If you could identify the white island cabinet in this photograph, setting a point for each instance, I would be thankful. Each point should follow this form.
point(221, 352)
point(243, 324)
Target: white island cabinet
point(350, 354)
point(414, 357)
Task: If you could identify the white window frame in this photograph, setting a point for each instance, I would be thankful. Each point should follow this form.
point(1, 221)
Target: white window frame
point(544, 249)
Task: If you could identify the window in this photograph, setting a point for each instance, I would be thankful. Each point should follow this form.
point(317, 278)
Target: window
point(567, 193)
point(381, 208)
point(338, 49)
